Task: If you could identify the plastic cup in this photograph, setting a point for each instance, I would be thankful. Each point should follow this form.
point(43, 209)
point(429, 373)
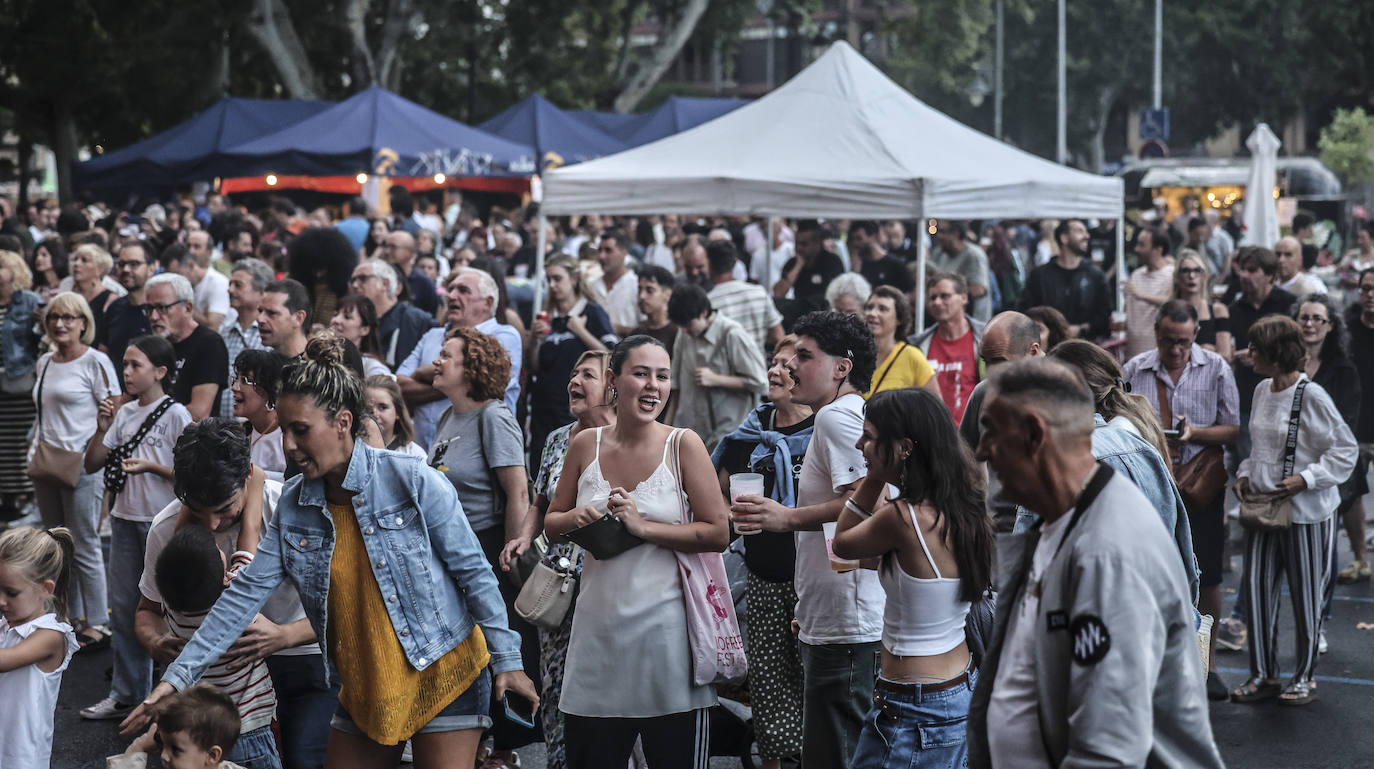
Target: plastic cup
point(836, 563)
point(740, 485)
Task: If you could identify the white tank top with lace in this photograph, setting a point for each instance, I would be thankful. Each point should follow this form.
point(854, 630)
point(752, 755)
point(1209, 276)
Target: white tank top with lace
point(629, 655)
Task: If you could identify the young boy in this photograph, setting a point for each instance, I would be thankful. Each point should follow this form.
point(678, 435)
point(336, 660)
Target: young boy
point(197, 728)
point(190, 575)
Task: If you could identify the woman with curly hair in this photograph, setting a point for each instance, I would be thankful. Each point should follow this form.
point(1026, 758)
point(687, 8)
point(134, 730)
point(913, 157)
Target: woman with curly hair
point(479, 448)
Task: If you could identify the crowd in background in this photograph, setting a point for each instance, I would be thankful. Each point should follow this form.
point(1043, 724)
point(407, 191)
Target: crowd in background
point(150, 349)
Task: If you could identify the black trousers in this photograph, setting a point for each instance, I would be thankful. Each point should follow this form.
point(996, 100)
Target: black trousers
point(674, 741)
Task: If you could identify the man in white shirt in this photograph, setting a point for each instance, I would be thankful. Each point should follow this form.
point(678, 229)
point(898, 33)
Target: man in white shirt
point(472, 296)
point(617, 290)
point(1292, 277)
point(1150, 285)
point(839, 614)
point(1093, 658)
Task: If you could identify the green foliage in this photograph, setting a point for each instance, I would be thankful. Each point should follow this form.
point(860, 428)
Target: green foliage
point(1347, 145)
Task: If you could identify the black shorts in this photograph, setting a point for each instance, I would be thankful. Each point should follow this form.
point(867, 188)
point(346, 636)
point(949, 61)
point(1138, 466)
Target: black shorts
point(1356, 486)
point(1208, 525)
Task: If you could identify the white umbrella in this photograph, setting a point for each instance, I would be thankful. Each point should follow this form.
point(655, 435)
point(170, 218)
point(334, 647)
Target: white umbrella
point(1260, 220)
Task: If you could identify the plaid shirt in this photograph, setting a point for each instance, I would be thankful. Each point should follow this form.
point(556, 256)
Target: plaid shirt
point(1205, 392)
point(748, 305)
point(236, 340)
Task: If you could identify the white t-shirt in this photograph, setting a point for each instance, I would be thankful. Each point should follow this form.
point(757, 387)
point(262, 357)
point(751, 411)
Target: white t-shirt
point(212, 293)
point(266, 452)
point(758, 260)
point(1017, 742)
point(145, 494)
point(620, 301)
point(834, 608)
point(71, 393)
point(283, 608)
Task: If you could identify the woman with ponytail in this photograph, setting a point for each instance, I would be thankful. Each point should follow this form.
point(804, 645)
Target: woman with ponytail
point(390, 575)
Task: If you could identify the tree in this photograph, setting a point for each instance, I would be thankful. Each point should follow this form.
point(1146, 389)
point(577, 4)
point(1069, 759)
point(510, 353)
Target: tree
point(1347, 146)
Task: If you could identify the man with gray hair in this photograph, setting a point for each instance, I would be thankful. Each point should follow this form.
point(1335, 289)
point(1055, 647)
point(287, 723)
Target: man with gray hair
point(1093, 656)
point(472, 297)
point(400, 324)
point(247, 282)
point(202, 362)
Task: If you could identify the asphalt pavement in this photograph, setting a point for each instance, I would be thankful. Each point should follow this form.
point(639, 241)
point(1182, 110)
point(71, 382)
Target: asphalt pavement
point(1330, 733)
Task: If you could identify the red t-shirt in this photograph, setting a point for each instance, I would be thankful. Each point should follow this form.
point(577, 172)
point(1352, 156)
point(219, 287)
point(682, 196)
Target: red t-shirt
point(956, 364)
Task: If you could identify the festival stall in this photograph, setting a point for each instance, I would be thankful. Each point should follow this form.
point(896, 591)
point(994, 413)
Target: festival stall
point(558, 137)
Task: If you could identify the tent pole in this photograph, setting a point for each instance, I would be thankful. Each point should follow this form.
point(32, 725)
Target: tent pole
point(768, 260)
point(918, 320)
point(539, 247)
point(1121, 264)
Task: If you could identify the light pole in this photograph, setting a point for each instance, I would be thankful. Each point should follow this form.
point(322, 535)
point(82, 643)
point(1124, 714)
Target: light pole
point(1061, 140)
point(997, 77)
point(1159, 55)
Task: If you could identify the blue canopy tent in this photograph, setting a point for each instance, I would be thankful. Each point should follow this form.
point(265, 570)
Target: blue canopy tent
point(674, 115)
point(377, 132)
point(558, 137)
point(187, 152)
point(617, 124)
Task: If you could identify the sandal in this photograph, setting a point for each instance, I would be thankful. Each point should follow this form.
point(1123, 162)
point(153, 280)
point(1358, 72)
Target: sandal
point(1355, 571)
point(91, 643)
point(1298, 693)
point(1255, 690)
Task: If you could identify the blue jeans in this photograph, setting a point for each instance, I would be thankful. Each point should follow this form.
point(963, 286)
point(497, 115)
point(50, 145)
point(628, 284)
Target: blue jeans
point(79, 510)
point(305, 703)
point(837, 691)
point(255, 750)
point(467, 711)
point(132, 675)
point(917, 729)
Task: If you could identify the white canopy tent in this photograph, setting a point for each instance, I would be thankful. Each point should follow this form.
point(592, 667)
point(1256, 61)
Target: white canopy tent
point(839, 140)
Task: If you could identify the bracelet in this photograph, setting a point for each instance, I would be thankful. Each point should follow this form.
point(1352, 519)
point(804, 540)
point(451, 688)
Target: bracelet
point(857, 509)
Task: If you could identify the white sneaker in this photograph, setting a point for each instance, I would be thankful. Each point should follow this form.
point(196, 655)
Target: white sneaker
point(407, 757)
point(106, 710)
point(1321, 642)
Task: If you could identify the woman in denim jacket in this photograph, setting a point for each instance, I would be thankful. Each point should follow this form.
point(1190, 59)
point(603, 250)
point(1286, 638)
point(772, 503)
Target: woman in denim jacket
point(18, 354)
point(391, 578)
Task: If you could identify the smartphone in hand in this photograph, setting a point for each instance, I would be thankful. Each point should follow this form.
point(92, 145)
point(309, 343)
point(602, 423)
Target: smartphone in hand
point(518, 709)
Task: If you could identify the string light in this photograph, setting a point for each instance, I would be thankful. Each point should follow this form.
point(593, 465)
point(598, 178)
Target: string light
point(439, 178)
point(271, 180)
point(362, 178)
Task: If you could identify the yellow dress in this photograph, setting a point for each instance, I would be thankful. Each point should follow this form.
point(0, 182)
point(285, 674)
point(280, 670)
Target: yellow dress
point(904, 366)
point(386, 697)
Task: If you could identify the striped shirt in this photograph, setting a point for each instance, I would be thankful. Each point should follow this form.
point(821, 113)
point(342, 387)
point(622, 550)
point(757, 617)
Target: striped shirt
point(748, 305)
point(1205, 392)
point(250, 687)
point(236, 340)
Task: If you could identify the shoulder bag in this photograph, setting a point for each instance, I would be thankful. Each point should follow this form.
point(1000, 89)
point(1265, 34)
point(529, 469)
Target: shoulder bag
point(712, 627)
point(54, 464)
point(549, 589)
point(115, 477)
point(1269, 511)
point(1201, 478)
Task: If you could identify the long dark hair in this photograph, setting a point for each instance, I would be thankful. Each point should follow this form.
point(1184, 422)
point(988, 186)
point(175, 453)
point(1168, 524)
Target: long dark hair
point(58, 255)
point(367, 316)
point(940, 471)
point(1336, 346)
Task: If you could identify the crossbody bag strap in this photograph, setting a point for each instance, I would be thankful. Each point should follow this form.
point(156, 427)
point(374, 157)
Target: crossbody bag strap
point(897, 353)
point(148, 423)
point(41, 380)
point(675, 446)
point(1290, 448)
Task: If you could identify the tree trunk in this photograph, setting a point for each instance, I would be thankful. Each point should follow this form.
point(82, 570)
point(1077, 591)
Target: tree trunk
point(399, 16)
point(270, 27)
point(64, 148)
point(653, 67)
point(627, 23)
point(24, 154)
point(355, 19)
point(1096, 156)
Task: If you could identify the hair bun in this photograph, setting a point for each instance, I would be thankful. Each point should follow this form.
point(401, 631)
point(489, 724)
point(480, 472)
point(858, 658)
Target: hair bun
point(325, 348)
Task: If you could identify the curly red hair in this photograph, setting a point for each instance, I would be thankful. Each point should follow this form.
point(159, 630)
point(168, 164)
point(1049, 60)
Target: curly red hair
point(486, 362)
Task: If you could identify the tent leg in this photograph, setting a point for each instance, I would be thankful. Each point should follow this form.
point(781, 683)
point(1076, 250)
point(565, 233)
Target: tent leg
point(919, 319)
point(1121, 264)
point(539, 247)
point(768, 260)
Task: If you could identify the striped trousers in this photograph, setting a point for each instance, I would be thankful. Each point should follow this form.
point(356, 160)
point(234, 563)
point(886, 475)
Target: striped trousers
point(1301, 552)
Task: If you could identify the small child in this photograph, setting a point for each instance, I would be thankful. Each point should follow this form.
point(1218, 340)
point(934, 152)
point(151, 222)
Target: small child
point(35, 643)
point(190, 574)
point(194, 730)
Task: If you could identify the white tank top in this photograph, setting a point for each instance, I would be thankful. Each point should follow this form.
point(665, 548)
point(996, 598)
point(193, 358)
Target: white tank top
point(31, 697)
point(923, 617)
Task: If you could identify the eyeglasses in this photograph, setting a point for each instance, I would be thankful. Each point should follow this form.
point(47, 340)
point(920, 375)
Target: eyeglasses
point(159, 309)
point(244, 380)
point(57, 318)
point(129, 264)
point(356, 279)
point(1314, 319)
point(1190, 271)
point(1170, 341)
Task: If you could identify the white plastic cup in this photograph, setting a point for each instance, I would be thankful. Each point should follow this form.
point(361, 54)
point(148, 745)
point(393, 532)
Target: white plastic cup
point(836, 563)
point(740, 485)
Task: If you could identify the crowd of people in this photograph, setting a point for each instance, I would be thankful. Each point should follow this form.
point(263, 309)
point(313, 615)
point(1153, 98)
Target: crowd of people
point(295, 470)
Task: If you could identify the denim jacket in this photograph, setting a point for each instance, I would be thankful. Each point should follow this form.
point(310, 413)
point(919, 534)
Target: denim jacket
point(433, 578)
point(18, 342)
point(1139, 461)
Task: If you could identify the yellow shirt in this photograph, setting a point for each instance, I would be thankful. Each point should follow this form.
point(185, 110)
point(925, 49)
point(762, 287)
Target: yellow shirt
point(386, 697)
point(904, 366)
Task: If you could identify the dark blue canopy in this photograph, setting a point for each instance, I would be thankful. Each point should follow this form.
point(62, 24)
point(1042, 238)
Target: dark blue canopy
point(678, 114)
point(617, 124)
point(180, 154)
point(557, 136)
point(378, 132)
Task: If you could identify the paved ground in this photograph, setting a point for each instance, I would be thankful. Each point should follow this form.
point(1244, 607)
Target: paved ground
point(1330, 733)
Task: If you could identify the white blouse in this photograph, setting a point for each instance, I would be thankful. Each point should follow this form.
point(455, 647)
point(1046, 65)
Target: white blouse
point(1325, 454)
